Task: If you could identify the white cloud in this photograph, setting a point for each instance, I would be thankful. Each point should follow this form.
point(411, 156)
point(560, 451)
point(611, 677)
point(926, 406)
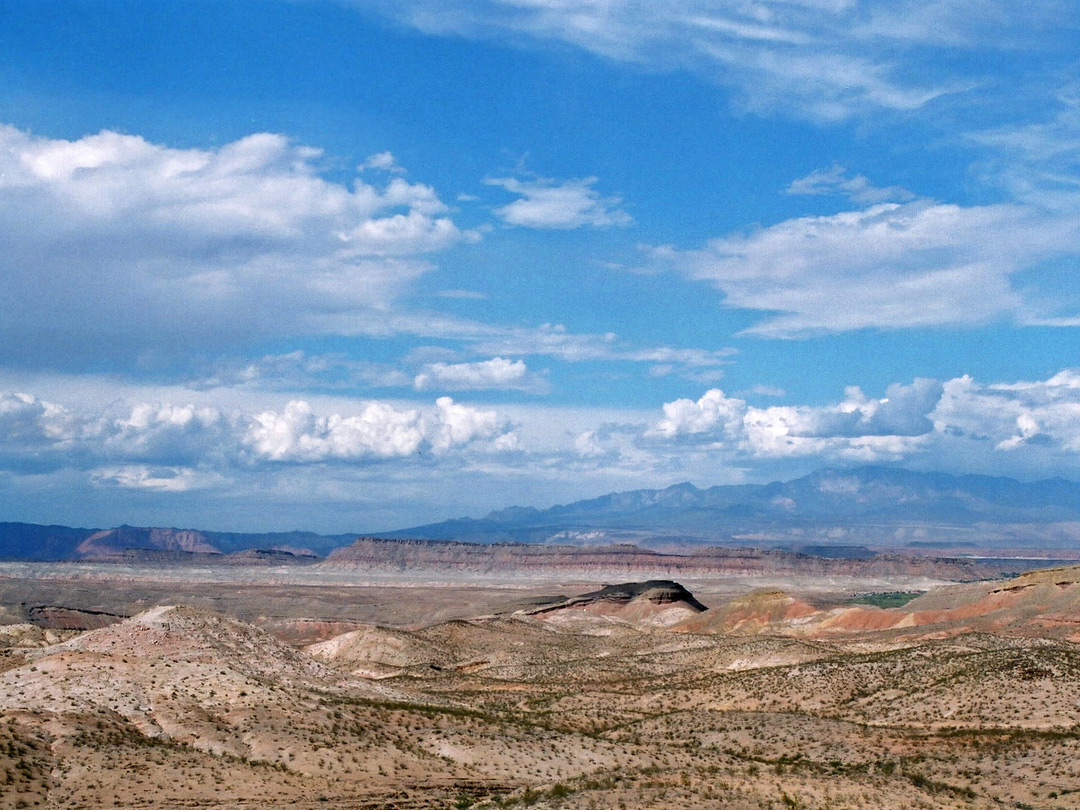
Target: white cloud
point(379, 431)
point(716, 416)
point(1041, 415)
point(890, 266)
point(156, 479)
point(857, 427)
point(497, 373)
point(167, 433)
point(299, 370)
point(150, 445)
point(298, 434)
point(858, 189)
point(1038, 161)
point(553, 204)
point(243, 445)
point(26, 421)
point(463, 295)
point(382, 161)
point(554, 340)
point(960, 419)
point(767, 391)
point(823, 60)
point(902, 412)
point(457, 425)
point(111, 235)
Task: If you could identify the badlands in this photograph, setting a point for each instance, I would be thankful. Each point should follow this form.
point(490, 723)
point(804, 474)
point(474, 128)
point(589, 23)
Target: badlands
point(186, 688)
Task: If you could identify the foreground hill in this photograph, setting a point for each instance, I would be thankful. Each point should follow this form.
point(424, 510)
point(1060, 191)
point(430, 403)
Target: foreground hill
point(577, 703)
point(1038, 604)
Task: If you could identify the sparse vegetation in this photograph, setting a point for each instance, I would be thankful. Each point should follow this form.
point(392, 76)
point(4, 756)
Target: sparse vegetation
point(186, 708)
point(887, 599)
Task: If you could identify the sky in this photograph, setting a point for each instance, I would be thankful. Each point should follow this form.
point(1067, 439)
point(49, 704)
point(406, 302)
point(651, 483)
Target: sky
point(362, 265)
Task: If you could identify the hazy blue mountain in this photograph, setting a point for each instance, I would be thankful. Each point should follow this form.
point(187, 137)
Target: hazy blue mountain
point(879, 506)
point(825, 513)
point(29, 541)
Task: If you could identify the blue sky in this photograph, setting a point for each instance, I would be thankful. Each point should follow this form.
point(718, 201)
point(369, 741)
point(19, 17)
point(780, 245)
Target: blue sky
point(359, 265)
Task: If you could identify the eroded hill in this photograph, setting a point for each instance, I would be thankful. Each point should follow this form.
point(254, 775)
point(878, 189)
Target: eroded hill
point(965, 697)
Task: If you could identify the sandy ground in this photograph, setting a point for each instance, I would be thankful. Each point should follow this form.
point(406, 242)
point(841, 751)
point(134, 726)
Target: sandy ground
point(269, 689)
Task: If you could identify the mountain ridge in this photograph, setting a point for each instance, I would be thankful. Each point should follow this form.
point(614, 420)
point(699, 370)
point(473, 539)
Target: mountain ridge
point(871, 505)
point(882, 508)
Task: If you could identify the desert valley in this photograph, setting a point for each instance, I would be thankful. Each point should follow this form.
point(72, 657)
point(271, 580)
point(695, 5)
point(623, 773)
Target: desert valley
point(445, 675)
point(509, 404)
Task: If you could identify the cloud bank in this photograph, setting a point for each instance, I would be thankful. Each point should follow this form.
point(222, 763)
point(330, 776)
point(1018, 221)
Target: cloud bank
point(201, 445)
point(926, 419)
point(957, 425)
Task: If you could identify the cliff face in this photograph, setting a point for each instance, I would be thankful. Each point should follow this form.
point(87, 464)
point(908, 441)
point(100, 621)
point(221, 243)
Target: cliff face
point(421, 555)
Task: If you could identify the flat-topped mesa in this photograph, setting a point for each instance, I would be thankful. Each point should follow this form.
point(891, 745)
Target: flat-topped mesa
point(652, 596)
point(601, 562)
point(657, 591)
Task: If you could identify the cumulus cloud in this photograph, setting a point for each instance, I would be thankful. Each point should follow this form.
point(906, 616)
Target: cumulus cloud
point(960, 418)
point(889, 266)
point(553, 204)
point(236, 447)
point(1041, 415)
point(458, 425)
point(169, 447)
point(497, 373)
point(379, 431)
point(26, 421)
point(168, 434)
point(903, 411)
point(298, 434)
point(715, 417)
point(114, 242)
point(856, 427)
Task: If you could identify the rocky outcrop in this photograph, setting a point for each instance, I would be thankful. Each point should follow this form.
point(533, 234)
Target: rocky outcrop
point(658, 602)
point(659, 592)
point(56, 617)
point(271, 556)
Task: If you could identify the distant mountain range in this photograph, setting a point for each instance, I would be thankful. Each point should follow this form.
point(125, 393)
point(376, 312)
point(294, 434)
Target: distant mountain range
point(29, 541)
point(830, 511)
point(847, 513)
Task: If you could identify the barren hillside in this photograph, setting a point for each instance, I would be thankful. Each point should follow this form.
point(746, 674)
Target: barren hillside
point(965, 697)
